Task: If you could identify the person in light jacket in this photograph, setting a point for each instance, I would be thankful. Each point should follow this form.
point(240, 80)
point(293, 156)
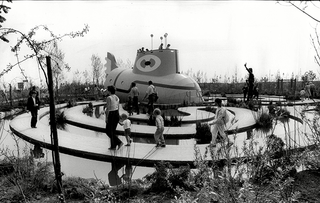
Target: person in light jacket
point(219, 123)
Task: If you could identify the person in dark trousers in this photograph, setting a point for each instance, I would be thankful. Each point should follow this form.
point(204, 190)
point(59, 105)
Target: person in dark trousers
point(250, 82)
point(150, 93)
point(112, 118)
point(33, 106)
point(134, 93)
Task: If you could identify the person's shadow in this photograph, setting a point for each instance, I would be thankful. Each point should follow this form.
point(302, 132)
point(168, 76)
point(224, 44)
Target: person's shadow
point(113, 176)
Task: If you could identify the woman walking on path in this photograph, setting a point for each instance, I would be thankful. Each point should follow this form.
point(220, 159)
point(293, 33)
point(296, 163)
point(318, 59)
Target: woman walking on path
point(112, 118)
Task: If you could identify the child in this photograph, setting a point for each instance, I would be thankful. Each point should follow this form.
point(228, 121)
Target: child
point(126, 123)
point(158, 135)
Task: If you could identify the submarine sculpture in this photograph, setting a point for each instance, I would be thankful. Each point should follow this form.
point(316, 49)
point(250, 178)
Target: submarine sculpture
point(160, 66)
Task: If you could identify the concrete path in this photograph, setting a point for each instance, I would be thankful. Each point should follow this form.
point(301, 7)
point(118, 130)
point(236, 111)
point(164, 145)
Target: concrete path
point(141, 154)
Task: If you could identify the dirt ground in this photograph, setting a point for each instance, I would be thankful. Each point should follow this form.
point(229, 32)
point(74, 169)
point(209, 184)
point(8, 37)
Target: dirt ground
point(308, 184)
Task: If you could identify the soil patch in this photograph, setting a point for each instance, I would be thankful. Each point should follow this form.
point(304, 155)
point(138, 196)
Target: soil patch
point(308, 184)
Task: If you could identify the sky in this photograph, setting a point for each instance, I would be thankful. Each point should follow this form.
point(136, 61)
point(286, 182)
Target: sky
point(213, 37)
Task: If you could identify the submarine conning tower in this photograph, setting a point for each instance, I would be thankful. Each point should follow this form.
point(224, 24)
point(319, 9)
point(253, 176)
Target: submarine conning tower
point(159, 62)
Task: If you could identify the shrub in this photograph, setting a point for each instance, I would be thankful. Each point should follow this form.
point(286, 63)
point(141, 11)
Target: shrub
point(167, 179)
point(71, 103)
point(88, 110)
point(27, 179)
point(311, 159)
point(61, 119)
point(159, 179)
point(283, 115)
point(264, 122)
point(203, 133)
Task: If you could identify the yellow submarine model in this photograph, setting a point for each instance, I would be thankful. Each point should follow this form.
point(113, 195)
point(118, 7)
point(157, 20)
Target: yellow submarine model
point(160, 66)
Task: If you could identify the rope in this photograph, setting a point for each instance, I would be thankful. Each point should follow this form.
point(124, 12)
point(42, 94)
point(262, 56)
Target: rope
point(144, 158)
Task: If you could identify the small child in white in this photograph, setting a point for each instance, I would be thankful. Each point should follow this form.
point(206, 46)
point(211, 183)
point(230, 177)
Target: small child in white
point(126, 123)
point(158, 135)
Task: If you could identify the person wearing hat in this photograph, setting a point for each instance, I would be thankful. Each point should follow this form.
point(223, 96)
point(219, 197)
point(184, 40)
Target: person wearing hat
point(33, 106)
point(219, 123)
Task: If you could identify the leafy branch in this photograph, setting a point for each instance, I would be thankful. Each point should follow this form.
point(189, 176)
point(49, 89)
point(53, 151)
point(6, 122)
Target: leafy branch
point(37, 47)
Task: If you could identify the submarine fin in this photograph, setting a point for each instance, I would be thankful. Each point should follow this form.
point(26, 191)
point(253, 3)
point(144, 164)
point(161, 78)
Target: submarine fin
point(111, 62)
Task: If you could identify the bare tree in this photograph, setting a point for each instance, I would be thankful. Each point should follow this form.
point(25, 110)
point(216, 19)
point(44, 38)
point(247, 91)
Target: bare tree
point(58, 65)
point(303, 7)
point(38, 49)
point(76, 77)
point(86, 77)
point(96, 68)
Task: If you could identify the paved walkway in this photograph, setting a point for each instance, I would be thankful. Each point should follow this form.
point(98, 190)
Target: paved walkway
point(139, 153)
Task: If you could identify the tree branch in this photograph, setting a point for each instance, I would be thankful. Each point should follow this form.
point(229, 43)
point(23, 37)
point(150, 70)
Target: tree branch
point(304, 12)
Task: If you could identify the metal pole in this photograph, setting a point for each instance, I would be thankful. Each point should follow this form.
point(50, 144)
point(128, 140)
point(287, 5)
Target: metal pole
point(54, 133)
point(151, 41)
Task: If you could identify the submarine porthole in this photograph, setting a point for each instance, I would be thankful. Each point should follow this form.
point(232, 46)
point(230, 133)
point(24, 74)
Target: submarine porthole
point(122, 82)
point(147, 63)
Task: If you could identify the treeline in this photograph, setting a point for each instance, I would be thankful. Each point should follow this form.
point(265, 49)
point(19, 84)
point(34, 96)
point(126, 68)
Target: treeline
point(284, 88)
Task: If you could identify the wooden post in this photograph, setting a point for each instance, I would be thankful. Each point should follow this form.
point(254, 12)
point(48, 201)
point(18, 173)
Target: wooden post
point(54, 133)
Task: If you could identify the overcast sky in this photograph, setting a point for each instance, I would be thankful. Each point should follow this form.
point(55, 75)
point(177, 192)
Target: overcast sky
point(215, 37)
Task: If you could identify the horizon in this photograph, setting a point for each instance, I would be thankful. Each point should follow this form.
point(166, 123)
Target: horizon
point(214, 37)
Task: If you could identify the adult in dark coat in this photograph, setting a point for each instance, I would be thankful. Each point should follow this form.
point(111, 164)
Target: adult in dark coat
point(250, 82)
point(33, 106)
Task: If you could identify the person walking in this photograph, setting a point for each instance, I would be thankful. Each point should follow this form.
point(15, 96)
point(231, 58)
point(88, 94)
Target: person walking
point(134, 93)
point(158, 135)
point(150, 93)
point(112, 118)
point(33, 105)
point(250, 82)
point(219, 124)
point(126, 123)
